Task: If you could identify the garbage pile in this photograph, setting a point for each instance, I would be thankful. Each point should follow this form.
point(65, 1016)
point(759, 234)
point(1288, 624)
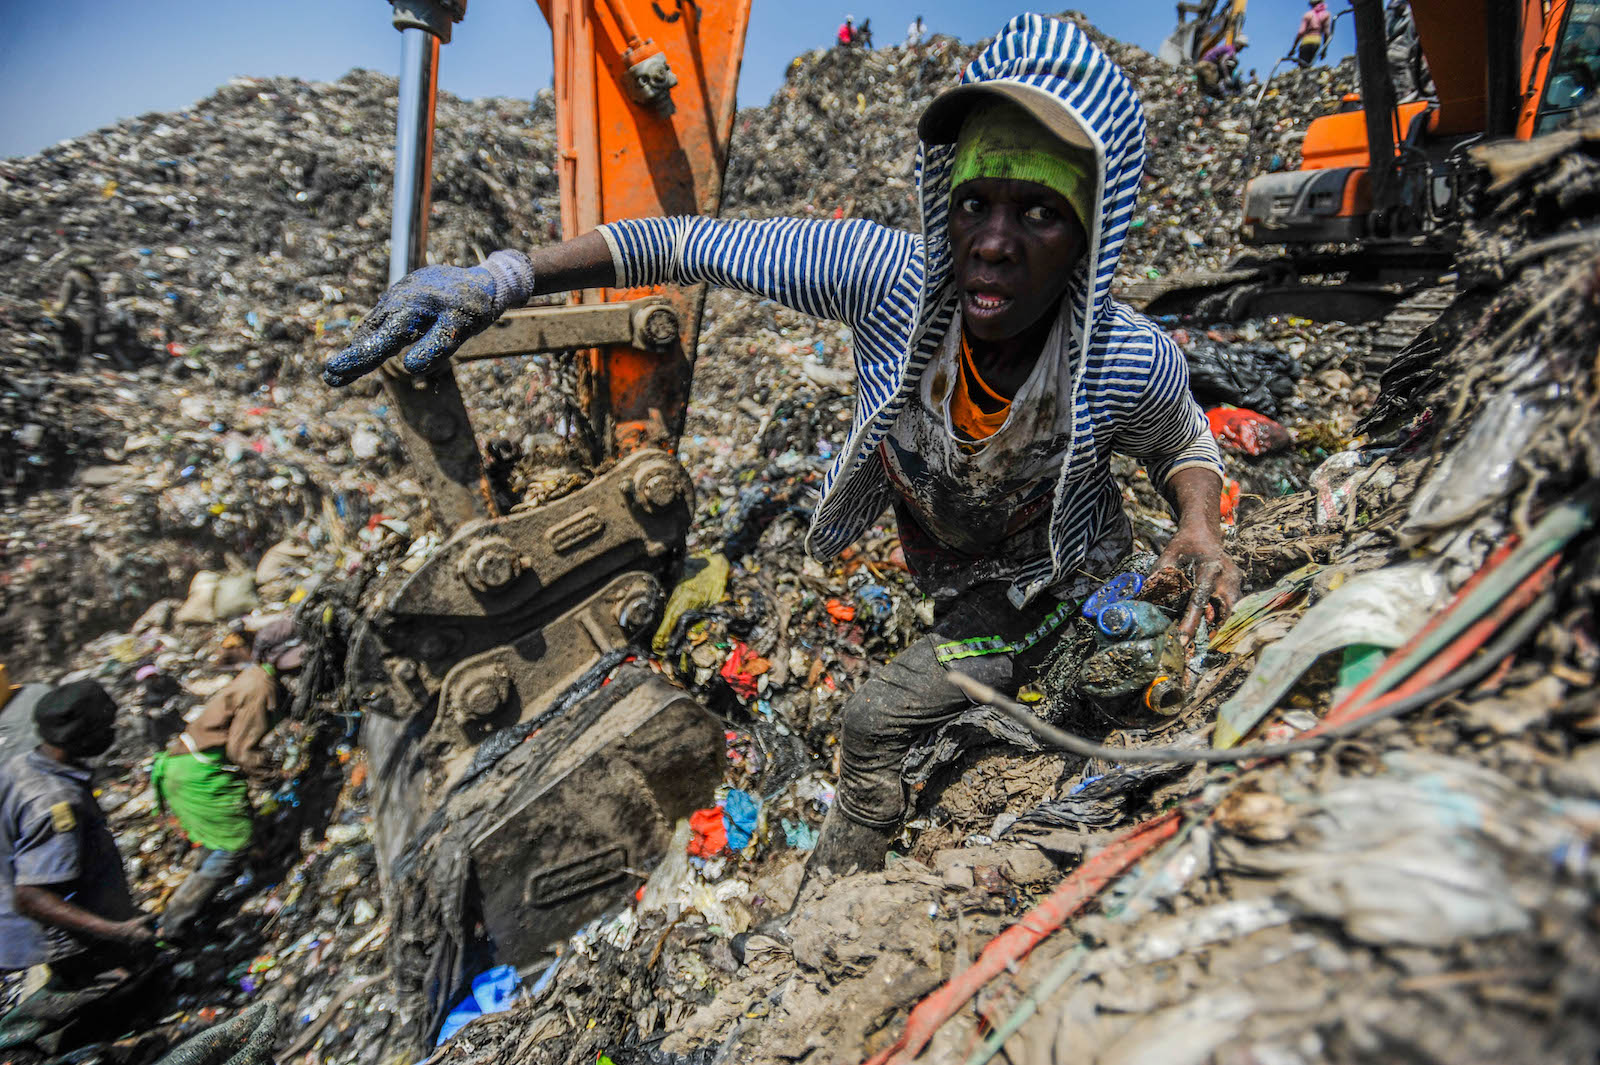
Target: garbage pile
point(166, 284)
point(836, 140)
point(174, 476)
point(1203, 151)
point(1423, 596)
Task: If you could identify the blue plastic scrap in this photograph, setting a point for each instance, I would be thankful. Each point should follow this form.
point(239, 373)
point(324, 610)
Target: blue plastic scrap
point(875, 601)
point(1131, 619)
point(799, 835)
point(493, 991)
point(740, 812)
point(1122, 586)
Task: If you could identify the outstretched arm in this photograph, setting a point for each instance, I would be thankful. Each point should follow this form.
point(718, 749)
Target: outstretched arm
point(437, 308)
point(837, 270)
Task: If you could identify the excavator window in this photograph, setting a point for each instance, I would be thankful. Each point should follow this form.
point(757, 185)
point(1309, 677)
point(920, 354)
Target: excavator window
point(1575, 70)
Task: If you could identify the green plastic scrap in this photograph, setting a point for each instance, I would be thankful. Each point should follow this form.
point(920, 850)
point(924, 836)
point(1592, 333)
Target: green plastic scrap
point(705, 581)
point(1361, 660)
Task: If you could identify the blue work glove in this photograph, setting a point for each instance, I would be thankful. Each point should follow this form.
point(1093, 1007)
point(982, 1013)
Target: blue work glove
point(434, 309)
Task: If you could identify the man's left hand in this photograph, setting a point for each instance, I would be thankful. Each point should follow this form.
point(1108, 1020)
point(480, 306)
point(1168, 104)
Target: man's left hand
point(1198, 553)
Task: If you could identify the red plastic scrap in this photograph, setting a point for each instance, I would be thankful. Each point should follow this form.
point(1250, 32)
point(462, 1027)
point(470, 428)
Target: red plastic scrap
point(710, 834)
point(1230, 498)
point(840, 611)
point(1245, 430)
point(1012, 945)
point(741, 668)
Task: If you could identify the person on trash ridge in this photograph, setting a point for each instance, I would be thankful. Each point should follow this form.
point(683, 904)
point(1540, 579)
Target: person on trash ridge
point(64, 897)
point(1218, 69)
point(201, 777)
point(996, 377)
point(847, 32)
point(916, 33)
point(1312, 35)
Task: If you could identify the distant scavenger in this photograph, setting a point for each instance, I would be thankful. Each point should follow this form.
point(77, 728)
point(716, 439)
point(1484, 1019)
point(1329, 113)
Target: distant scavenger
point(201, 777)
point(1218, 69)
point(1312, 36)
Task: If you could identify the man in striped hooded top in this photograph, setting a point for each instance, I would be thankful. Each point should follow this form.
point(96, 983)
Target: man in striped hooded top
point(995, 378)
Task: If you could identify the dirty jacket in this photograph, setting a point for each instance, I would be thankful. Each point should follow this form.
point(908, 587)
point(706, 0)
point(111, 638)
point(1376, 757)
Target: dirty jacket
point(1131, 384)
point(236, 720)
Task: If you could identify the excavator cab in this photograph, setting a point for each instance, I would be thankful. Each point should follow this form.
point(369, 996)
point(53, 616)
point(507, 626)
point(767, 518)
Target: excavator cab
point(1329, 199)
point(1368, 222)
point(1572, 60)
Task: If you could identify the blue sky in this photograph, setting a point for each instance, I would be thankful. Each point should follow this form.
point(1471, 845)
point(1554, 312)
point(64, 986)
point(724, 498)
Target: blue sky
point(71, 66)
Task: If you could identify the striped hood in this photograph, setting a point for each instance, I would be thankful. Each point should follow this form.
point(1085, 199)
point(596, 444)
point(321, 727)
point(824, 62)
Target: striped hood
point(1058, 61)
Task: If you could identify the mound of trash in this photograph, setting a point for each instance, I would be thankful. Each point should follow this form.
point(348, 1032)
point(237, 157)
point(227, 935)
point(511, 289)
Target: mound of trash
point(1397, 862)
point(838, 140)
point(169, 285)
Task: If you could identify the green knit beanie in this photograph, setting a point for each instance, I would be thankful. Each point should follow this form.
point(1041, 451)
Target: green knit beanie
point(1001, 140)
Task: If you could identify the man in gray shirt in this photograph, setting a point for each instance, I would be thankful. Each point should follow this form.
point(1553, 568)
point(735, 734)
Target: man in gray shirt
point(64, 899)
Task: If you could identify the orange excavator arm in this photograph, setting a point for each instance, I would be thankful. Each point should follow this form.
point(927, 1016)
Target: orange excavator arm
point(517, 633)
point(645, 102)
point(644, 105)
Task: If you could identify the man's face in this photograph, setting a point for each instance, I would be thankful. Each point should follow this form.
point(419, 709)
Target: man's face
point(1015, 245)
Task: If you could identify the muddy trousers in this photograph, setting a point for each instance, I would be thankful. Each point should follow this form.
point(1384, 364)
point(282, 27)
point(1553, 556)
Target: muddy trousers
point(982, 635)
point(216, 870)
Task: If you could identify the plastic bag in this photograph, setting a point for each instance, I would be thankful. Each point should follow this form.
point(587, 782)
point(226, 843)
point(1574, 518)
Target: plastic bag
point(1341, 474)
point(1383, 608)
point(705, 580)
point(1256, 376)
point(493, 991)
point(1479, 470)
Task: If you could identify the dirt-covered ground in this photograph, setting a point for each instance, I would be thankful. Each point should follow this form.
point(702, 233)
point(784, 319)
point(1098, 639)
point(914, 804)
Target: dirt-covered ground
point(1421, 889)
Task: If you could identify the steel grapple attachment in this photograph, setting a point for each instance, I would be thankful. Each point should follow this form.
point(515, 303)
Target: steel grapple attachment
point(526, 766)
